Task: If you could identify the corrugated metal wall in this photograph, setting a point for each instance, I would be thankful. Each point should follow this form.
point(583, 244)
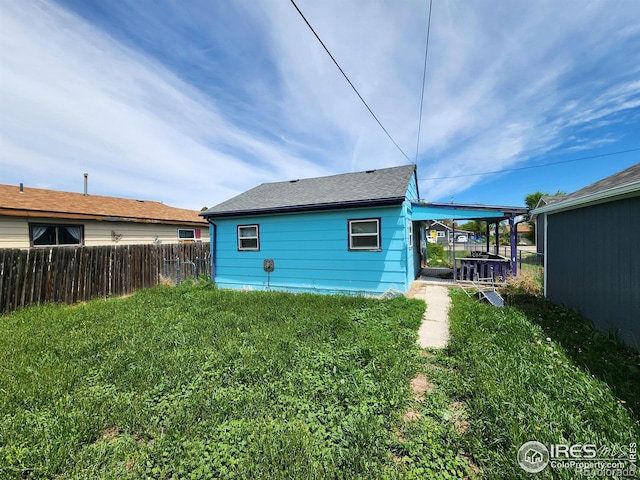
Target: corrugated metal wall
point(593, 265)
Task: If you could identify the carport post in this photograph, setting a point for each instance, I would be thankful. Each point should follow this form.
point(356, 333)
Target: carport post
point(513, 241)
point(497, 247)
point(488, 241)
point(453, 232)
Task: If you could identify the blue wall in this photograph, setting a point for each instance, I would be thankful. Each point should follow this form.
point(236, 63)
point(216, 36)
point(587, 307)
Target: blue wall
point(413, 261)
point(310, 251)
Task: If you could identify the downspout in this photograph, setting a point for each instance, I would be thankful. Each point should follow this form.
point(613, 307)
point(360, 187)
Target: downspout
point(212, 241)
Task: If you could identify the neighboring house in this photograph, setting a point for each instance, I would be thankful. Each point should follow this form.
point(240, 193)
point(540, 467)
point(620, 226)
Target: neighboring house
point(598, 275)
point(438, 232)
point(522, 231)
point(349, 233)
point(33, 217)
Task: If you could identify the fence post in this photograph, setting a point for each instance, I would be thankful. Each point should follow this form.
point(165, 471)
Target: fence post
point(520, 262)
point(178, 270)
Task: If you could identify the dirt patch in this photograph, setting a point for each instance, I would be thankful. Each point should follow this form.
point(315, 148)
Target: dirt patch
point(109, 434)
point(473, 467)
point(411, 416)
point(426, 353)
point(417, 291)
point(419, 386)
point(458, 411)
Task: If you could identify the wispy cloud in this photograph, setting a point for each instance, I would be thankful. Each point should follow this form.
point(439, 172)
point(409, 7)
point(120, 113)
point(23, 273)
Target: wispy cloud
point(191, 103)
point(74, 100)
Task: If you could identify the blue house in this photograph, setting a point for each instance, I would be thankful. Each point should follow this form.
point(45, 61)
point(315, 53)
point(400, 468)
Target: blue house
point(351, 233)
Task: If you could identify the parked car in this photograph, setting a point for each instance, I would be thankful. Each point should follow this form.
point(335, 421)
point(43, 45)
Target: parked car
point(462, 238)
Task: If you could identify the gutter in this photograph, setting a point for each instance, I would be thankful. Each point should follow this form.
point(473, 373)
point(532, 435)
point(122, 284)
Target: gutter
point(306, 208)
point(628, 190)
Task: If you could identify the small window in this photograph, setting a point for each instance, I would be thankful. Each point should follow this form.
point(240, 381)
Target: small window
point(49, 235)
point(364, 234)
point(248, 237)
point(186, 235)
point(410, 234)
point(440, 234)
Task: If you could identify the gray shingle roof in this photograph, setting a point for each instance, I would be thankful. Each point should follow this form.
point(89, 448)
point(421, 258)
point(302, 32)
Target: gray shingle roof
point(549, 200)
point(373, 187)
point(625, 177)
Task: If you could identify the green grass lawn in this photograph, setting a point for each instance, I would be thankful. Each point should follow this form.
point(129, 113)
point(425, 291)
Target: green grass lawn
point(195, 382)
point(534, 371)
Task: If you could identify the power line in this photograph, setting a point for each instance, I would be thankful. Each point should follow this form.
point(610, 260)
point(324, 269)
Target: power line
point(424, 76)
point(534, 166)
point(349, 81)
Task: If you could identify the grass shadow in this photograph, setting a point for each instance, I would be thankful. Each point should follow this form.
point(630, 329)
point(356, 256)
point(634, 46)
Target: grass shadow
point(597, 353)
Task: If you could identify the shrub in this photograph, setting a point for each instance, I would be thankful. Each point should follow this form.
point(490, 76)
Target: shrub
point(527, 282)
point(436, 254)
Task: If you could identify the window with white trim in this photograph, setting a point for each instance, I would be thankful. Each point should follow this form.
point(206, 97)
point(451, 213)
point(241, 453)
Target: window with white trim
point(249, 237)
point(410, 231)
point(186, 234)
point(41, 235)
point(440, 233)
point(364, 234)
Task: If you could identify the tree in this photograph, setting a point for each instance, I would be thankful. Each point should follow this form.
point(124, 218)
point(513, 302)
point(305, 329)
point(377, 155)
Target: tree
point(475, 226)
point(531, 201)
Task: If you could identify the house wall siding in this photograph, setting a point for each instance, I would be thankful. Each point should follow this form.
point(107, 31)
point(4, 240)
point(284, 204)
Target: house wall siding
point(413, 249)
point(14, 232)
point(598, 275)
point(310, 252)
point(540, 220)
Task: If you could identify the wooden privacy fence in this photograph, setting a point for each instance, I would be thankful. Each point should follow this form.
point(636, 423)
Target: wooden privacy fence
point(73, 274)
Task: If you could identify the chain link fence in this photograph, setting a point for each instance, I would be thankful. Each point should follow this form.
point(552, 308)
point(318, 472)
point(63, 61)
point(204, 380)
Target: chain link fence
point(176, 270)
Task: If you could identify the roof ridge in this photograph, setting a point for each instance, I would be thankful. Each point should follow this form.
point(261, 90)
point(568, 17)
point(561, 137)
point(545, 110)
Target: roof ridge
point(339, 174)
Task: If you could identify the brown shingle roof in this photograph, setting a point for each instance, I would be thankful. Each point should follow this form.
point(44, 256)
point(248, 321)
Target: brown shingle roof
point(38, 202)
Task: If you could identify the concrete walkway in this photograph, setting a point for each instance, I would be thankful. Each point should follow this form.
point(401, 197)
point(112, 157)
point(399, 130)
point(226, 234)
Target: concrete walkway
point(434, 331)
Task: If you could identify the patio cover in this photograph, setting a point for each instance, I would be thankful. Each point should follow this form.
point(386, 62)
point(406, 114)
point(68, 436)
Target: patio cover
point(456, 211)
point(488, 213)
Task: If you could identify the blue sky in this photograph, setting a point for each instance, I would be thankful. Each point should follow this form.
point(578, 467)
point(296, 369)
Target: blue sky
point(192, 102)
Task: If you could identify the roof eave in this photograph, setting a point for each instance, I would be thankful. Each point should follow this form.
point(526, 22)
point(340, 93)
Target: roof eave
point(96, 217)
point(628, 190)
point(306, 208)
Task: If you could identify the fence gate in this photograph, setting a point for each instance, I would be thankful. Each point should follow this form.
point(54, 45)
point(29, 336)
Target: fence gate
point(175, 270)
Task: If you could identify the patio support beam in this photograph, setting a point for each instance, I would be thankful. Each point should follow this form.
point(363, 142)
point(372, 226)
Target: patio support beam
point(497, 247)
point(488, 240)
point(453, 232)
point(513, 242)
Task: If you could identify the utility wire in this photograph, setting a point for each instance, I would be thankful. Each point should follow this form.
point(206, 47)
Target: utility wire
point(424, 76)
point(349, 81)
point(533, 166)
